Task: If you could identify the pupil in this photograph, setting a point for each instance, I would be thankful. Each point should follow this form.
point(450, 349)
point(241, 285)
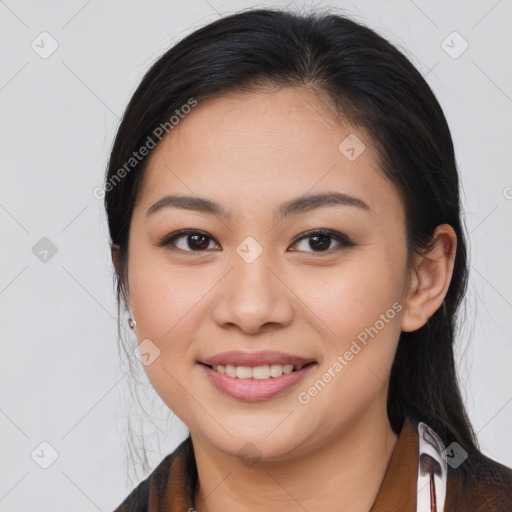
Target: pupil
point(320, 246)
point(200, 246)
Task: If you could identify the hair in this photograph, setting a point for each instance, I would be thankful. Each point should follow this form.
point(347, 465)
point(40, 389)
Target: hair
point(374, 87)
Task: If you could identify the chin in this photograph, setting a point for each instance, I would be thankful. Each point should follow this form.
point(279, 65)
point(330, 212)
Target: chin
point(266, 443)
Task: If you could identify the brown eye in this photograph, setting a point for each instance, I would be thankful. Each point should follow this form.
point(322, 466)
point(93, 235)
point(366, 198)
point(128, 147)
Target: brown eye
point(320, 240)
point(193, 241)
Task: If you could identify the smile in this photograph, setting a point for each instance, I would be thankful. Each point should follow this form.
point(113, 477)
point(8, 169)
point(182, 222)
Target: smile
point(257, 376)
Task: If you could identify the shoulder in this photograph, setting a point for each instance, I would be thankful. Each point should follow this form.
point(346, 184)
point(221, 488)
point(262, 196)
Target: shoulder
point(480, 483)
point(138, 499)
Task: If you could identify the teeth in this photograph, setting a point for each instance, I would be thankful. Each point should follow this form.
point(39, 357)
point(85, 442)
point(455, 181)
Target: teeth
point(260, 372)
point(257, 372)
point(230, 370)
point(244, 372)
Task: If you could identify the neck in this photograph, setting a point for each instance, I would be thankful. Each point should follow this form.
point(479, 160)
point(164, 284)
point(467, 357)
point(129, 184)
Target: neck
point(344, 473)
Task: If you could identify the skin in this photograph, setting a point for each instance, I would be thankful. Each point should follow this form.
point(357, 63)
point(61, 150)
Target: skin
point(249, 152)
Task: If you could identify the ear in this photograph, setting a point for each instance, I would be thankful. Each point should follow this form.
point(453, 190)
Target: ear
point(114, 251)
point(430, 279)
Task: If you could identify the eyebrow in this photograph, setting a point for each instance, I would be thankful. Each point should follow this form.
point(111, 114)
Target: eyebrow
point(298, 205)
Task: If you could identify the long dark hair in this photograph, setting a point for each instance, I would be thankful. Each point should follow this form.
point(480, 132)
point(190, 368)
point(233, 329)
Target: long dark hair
point(372, 85)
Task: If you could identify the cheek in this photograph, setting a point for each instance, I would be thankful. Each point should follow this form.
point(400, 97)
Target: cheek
point(168, 308)
point(356, 296)
point(166, 301)
point(358, 314)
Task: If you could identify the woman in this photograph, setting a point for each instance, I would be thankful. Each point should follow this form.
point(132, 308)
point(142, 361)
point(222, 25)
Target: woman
point(284, 211)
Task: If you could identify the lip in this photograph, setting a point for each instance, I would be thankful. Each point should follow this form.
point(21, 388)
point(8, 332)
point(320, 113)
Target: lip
point(240, 358)
point(255, 390)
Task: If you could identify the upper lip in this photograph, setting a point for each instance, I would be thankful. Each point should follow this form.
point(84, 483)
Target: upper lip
point(239, 358)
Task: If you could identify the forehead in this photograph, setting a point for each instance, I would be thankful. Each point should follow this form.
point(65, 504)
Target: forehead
point(261, 147)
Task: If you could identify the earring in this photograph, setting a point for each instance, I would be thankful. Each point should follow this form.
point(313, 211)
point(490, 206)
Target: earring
point(131, 322)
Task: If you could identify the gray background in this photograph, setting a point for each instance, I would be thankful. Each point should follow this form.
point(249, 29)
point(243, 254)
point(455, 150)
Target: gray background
point(61, 378)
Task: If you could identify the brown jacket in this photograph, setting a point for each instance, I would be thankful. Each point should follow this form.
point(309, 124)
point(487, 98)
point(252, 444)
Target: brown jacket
point(464, 482)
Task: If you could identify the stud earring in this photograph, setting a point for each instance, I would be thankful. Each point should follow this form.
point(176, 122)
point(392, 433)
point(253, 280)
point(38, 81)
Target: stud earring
point(131, 322)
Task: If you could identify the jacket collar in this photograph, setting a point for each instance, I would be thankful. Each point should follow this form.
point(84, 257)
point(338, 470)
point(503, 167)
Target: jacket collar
point(401, 490)
point(398, 488)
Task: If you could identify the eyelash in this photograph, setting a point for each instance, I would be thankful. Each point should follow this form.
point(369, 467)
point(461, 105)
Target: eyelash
point(342, 239)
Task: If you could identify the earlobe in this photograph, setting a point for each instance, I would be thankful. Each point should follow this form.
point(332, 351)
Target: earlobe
point(430, 279)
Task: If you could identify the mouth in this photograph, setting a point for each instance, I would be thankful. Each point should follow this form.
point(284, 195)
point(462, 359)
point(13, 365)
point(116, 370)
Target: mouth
point(256, 376)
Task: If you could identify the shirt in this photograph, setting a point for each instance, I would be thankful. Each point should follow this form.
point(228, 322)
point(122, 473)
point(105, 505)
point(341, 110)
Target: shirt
point(422, 476)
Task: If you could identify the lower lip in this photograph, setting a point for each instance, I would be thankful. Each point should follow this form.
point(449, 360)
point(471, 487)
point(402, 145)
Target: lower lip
point(254, 390)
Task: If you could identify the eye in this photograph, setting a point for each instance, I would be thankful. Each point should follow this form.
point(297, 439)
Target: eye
point(188, 240)
point(195, 241)
point(320, 240)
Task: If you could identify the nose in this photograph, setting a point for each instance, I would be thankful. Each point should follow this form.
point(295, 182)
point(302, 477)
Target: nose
point(253, 297)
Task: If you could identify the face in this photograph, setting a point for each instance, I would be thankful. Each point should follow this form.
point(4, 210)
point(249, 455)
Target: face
point(265, 282)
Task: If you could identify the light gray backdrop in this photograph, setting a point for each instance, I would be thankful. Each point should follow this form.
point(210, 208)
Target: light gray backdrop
point(68, 70)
